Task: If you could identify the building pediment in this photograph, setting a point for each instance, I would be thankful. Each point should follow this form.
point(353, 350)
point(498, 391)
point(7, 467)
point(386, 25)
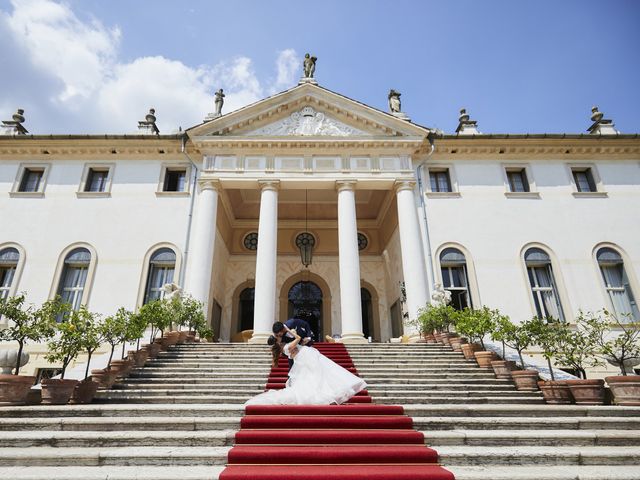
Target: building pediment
point(308, 111)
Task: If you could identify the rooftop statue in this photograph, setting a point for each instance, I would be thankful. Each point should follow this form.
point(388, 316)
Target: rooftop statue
point(219, 102)
point(14, 126)
point(394, 101)
point(309, 65)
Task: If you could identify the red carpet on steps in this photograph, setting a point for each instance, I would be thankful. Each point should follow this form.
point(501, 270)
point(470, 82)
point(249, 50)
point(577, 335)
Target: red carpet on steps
point(354, 441)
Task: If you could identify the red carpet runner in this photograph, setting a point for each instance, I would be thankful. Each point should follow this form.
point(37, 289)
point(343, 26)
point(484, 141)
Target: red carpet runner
point(355, 441)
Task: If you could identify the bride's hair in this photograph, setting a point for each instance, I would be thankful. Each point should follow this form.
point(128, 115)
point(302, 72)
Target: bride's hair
point(276, 351)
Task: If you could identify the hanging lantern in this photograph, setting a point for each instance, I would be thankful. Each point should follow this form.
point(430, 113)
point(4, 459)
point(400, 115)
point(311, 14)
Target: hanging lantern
point(305, 243)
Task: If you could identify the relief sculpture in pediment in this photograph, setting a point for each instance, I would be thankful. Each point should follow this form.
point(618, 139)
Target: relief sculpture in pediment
point(308, 122)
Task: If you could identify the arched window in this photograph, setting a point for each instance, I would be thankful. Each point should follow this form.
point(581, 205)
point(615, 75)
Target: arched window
point(245, 314)
point(162, 265)
point(543, 284)
point(617, 285)
point(74, 276)
point(9, 258)
point(453, 266)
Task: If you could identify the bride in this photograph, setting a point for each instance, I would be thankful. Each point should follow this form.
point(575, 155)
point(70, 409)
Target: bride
point(313, 380)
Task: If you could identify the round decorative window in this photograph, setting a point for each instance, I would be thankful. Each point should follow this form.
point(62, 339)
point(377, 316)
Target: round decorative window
point(251, 241)
point(362, 241)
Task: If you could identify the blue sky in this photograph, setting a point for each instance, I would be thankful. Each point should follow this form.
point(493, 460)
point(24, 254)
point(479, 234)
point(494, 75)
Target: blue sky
point(89, 66)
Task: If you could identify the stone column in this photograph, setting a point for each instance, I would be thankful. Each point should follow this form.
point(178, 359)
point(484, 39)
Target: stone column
point(266, 257)
point(415, 276)
point(349, 261)
point(198, 275)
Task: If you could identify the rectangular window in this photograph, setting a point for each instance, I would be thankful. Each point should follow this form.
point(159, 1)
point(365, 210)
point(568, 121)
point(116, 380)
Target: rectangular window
point(7, 273)
point(174, 180)
point(545, 294)
point(31, 180)
point(584, 180)
point(619, 290)
point(72, 285)
point(454, 279)
point(159, 276)
point(96, 180)
point(440, 180)
point(518, 181)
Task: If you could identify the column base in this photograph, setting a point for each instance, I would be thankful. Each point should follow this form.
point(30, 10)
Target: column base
point(353, 338)
point(259, 338)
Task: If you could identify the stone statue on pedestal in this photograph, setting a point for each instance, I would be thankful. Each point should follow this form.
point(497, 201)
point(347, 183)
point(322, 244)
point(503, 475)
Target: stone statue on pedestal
point(171, 291)
point(394, 101)
point(219, 102)
point(309, 65)
point(440, 296)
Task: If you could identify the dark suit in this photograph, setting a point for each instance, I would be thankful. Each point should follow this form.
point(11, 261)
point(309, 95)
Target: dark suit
point(303, 329)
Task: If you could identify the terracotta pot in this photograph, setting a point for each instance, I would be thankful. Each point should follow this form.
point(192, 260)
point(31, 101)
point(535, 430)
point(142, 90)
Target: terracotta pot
point(625, 389)
point(525, 380)
point(502, 368)
point(444, 338)
point(430, 338)
point(183, 336)
point(57, 391)
point(556, 392)
point(153, 349)
point(121, 367)
point(103, 377)
point(438, 337)
point(15, 388)
point(587, 392)
point(484, 359)
point(191, 338)
point(468, 350)
point(173, 337)
point(139, 358)
point(84, 391)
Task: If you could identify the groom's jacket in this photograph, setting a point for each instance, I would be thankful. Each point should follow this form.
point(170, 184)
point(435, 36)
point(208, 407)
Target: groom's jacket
point(302, 327)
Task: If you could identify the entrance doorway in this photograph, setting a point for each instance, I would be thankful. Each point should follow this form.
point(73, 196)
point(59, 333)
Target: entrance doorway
point(305, 301)
point(245, 314)
point(367, 313)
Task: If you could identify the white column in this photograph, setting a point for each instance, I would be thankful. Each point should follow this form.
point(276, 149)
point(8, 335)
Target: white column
point(349, 260)
point(414, 273)
point(198, 275)
point(265, 295)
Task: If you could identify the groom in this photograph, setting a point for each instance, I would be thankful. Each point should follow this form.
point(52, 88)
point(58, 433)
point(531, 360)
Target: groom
point(301, 326)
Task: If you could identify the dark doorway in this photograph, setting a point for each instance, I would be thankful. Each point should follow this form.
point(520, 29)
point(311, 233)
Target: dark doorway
point(216, 319)
point(305, 299)
point(245, 313)
point(367, 313)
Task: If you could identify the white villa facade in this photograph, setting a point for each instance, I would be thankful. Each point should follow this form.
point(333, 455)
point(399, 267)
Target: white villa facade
point(529, 224)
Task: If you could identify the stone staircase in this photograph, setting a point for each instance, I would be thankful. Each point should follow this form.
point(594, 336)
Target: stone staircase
point(177, 417)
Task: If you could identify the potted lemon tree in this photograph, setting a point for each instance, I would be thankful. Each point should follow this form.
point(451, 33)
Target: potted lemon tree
point(26, 324)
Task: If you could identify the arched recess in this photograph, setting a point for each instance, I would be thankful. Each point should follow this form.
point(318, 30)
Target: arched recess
point(91, 270)
point(326, 299)
point(474, 291)
point(144, 274)
point(557, 277)
point(628, 271)
point(235, 306)
point(375, 309)
point(19, 266)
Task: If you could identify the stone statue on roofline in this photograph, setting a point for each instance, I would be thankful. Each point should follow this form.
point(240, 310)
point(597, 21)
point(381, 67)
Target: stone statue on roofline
point(395, 105)
point(601, 125)
point(309, 69)
point(219, 102)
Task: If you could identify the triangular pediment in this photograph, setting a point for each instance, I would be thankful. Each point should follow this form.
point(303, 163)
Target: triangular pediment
point(308, 111)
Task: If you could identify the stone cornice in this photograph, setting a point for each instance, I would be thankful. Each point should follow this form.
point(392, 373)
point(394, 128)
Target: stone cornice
point(89, 145)
point(535, 146)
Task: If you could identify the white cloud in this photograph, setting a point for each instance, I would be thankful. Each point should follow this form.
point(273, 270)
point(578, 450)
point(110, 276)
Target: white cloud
point(89, 90)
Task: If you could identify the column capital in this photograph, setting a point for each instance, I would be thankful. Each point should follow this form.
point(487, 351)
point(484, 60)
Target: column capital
point(269, 184)
point(342, 185)
point(210, 184)
point(400, 185)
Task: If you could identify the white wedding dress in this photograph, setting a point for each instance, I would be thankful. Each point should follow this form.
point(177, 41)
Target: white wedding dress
point(313, 380)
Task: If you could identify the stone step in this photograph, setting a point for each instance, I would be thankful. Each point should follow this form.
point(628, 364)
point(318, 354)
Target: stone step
point(206, 472)
point(168, 397)
point(525, 423)
point(99, 410)
point(538, 455)
point(97, 456)
point(508, 438)
point(550, 411)
point(383, 395)
point(123, 424)
point(71, 439)
point(457, 398)
point(385, 388)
